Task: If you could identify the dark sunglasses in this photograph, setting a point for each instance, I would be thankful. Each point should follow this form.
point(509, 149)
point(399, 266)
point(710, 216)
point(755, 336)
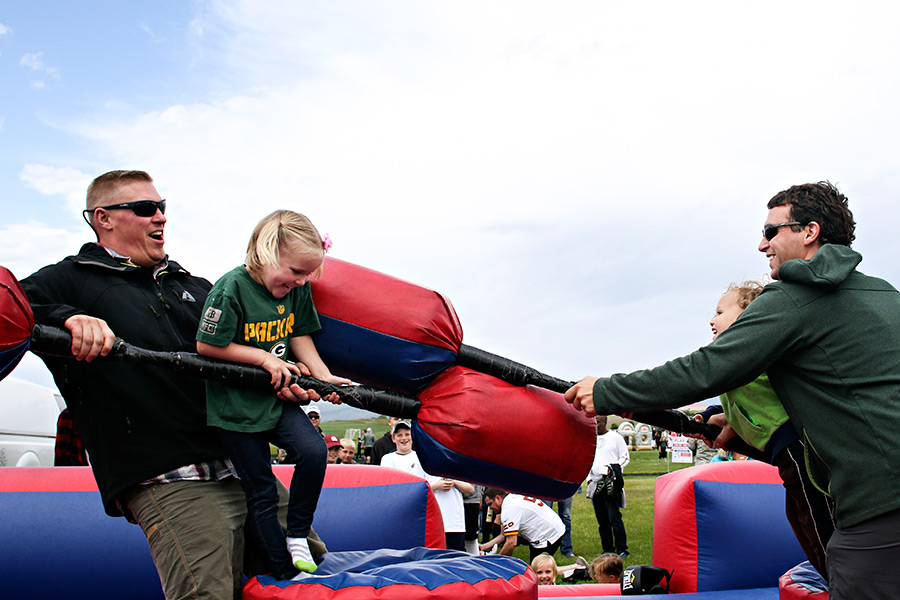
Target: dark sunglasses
point(770, 231)
point(142, 208)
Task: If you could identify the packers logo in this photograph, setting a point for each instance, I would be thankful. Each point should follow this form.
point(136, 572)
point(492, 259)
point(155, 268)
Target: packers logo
point(281, 309)
point(269, 331)
point(279, 349)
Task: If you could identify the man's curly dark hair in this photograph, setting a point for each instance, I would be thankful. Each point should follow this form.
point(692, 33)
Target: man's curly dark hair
point(823, 203)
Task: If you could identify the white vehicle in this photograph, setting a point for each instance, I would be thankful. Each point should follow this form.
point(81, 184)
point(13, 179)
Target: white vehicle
point(28, 415)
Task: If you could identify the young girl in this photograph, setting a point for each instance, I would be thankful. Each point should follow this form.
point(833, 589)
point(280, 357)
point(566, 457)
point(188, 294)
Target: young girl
point(544, 566)
point(752, 411)
point(607, 568)
point(256, 314)
point(755, 413)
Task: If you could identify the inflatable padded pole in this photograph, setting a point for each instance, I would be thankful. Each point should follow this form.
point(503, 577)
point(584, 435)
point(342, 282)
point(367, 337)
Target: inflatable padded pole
point(383, 331)
point(523, 439)
point(16, 318)
point(16, 322)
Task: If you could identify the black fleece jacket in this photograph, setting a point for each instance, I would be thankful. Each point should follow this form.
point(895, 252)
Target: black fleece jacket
point(137, 421)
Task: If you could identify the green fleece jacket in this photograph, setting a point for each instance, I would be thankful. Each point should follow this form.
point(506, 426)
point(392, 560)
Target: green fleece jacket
point(829, 339)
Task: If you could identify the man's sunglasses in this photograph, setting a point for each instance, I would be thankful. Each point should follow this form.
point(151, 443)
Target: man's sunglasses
point(142, 208)
point(770, 231)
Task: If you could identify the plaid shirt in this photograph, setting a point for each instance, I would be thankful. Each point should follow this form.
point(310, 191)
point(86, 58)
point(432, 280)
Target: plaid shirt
point(211, 470)
point(69, 450)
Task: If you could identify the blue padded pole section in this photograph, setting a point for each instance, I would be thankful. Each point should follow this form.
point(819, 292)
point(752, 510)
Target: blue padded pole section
point(10, 357)
point(378, 359)
point(437, 459)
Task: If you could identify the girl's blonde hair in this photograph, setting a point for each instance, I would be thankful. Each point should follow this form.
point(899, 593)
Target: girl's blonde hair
point(542, 558)
point(276, 230)
point(747, 292)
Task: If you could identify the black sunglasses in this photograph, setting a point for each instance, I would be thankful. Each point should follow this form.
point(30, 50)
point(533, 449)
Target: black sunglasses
point(142, 208)
point(770, 231)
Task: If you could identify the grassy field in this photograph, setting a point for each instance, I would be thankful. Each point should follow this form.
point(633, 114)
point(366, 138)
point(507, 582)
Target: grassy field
point(640, 479)
point(339, 428)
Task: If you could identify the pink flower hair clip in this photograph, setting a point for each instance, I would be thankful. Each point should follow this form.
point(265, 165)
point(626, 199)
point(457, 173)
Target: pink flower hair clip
point(326, 242)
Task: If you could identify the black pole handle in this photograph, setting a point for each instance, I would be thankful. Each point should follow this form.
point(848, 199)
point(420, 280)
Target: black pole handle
point(52, 341)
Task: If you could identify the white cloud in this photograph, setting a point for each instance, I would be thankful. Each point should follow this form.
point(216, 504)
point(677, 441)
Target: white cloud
point(4, 29)
point(26, 247)
point(35, 62)
point(66, 182)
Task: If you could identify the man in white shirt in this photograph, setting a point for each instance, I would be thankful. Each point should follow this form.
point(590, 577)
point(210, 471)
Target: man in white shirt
point(525, 518)
point(447, 492)
point(606, 488)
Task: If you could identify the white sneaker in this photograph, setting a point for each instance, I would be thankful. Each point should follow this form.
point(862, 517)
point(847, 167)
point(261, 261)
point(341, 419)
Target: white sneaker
point(300, 554)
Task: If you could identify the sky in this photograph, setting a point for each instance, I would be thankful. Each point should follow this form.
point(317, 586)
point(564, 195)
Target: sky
point(582, 179)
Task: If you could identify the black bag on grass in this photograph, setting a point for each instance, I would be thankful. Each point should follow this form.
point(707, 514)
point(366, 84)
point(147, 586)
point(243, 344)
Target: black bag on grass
point(644, 579)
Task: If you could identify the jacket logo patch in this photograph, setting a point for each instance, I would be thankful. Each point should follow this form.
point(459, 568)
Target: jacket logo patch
point(186, 296)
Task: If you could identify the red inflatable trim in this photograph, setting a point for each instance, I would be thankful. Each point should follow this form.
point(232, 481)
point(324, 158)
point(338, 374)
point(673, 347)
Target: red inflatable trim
point(48, 479)
point(520, 587)
point(590, 590)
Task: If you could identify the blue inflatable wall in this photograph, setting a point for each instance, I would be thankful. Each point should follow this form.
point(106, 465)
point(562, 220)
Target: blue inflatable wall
point(56, 541)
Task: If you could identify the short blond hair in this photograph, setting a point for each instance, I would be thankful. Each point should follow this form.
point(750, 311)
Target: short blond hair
point(273, 232)
point(542, 559)
point(103, 186)
point(747, 292)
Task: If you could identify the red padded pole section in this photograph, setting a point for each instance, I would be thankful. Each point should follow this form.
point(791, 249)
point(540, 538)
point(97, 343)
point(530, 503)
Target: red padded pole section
point(16, 319)
point(373, 300)
point(525, 428)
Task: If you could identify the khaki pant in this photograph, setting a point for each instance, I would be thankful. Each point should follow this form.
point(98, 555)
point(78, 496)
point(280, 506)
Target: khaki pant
point(195, 530)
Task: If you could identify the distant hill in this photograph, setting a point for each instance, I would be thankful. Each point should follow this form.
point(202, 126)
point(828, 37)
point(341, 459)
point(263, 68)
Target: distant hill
point(342, 412)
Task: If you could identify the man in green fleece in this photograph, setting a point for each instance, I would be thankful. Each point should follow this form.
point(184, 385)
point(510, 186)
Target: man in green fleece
point(829, 339)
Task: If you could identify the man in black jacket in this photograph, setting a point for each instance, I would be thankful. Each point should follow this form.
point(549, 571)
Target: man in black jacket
point(144, 427)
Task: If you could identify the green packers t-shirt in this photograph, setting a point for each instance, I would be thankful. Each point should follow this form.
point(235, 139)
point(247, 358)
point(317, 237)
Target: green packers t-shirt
point(240, 310)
